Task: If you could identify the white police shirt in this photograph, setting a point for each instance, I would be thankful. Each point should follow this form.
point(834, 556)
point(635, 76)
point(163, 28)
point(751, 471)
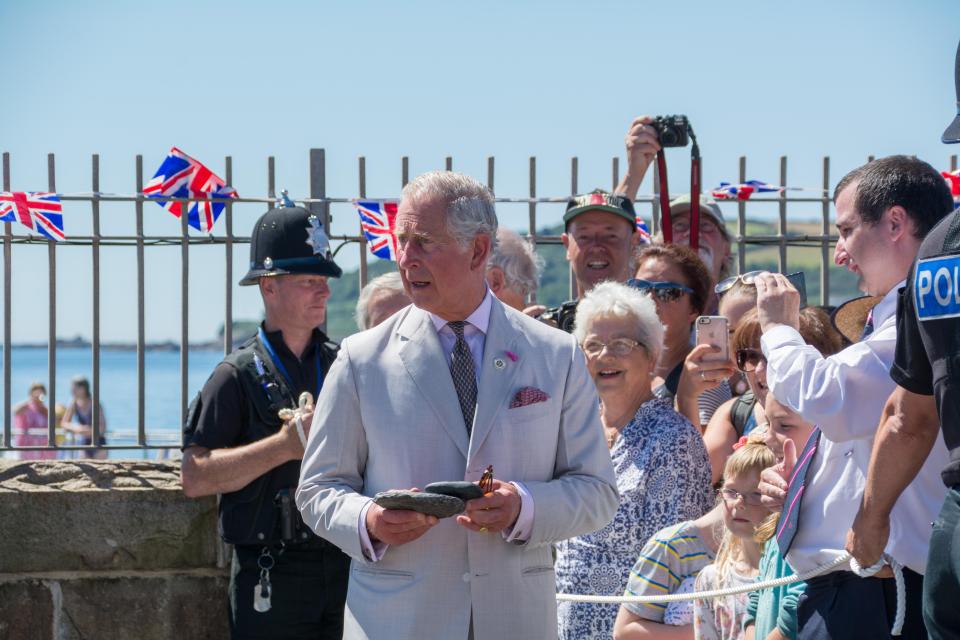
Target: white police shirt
point(844, 395)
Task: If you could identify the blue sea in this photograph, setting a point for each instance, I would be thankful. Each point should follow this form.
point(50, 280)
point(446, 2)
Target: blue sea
point(118, 389)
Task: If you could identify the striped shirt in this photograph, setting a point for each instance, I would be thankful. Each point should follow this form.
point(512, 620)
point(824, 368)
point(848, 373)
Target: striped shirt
point(669, 557)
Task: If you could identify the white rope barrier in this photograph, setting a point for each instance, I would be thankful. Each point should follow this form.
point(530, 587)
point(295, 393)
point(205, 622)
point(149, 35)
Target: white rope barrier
point(898, 578)
point(716, 593)
point(843, 559)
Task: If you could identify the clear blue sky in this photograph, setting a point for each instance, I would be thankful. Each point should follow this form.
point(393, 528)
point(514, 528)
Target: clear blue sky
point(431, 79)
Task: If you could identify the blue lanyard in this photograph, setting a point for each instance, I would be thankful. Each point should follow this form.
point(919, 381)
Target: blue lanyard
point(283, 370)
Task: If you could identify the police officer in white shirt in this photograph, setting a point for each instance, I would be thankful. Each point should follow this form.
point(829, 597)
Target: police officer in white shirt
point(884, 210)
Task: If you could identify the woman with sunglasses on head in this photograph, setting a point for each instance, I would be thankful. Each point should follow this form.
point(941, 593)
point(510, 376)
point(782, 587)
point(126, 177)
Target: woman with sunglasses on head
point(658, 457)
point(727, 425)
point(679, 283)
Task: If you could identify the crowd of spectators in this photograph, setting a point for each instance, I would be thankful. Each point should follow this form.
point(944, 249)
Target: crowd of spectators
point(703, 448)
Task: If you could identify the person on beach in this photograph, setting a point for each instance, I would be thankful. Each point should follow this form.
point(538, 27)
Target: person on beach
point(30, 424)
point(285, 582)
point(78, 419)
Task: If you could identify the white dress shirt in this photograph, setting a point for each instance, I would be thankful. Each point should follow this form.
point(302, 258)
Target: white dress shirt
point(475, 335)
point(844, 395)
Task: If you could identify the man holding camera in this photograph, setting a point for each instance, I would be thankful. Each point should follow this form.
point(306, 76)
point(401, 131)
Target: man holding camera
point(643, 143)
point(286, 582)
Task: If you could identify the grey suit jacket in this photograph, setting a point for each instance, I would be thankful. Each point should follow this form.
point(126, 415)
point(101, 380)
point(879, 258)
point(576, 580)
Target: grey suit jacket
point(388, 418)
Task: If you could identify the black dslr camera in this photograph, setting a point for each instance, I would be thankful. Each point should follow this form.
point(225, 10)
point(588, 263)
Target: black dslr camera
point(673, 131)
point(562, 317)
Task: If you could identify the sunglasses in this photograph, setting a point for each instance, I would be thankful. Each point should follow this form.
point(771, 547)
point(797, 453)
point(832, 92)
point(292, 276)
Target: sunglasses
point(748, 359)
point(747, 278)
point(663, 291)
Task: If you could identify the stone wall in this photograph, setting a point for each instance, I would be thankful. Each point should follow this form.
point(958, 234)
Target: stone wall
point(107, 549)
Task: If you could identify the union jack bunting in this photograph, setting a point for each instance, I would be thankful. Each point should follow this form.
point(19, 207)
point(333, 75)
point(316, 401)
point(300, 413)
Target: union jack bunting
point(953, 181)
point(644, 231)
point(743, 191)
point(180, 176)
point(377, 219)
point(39, 212)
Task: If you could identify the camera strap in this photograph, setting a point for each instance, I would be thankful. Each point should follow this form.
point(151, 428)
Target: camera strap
point(666, 224)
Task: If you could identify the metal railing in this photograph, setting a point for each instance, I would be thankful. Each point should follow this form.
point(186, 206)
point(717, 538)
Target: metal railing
point(318, 202)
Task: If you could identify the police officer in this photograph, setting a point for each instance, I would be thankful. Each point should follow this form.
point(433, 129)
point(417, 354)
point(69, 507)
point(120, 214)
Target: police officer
point(285, 581)
point(927, 372)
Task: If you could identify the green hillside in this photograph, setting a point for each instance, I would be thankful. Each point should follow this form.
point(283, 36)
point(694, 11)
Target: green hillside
point(555, 282)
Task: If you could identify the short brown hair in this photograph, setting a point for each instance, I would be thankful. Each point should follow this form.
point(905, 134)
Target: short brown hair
point(686, 259)
point(815, 329)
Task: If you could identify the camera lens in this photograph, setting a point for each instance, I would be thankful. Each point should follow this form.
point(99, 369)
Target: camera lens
point(668, 137)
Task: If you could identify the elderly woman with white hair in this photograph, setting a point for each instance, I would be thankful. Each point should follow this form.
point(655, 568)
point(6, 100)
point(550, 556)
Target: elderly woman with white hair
point(379, 299)
point(661, 464)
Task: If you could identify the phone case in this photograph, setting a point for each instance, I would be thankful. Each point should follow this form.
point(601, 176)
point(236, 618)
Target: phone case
point(713, 330)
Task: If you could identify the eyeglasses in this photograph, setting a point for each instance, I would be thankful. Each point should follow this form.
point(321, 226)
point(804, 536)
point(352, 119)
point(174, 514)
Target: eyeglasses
point(619, 347)
point(748, 359)
point(747, 278)
point(683, 226)
point(732, 496)
point(664, 291)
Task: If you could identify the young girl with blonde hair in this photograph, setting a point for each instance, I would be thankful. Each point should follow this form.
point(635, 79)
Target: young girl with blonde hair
point(739, 555)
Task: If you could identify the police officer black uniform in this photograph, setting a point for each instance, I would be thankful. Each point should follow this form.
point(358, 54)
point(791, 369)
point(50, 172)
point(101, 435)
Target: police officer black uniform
point(286, 582)
point(928, 363)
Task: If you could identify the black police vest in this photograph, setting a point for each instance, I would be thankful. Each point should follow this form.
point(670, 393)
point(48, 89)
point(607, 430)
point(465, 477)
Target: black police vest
point(252, 515)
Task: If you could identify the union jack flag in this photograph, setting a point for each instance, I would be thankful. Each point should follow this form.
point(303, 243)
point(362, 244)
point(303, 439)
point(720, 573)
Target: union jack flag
point(39, 212)
point(180, 176)
point(644, 231)
point(377, 219)
point(743, 191)
point(953, 181)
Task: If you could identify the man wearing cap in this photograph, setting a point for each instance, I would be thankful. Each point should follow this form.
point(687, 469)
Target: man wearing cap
point(884, 210)
point(926, 369)
point(285, 581)
point(600, 237)
point(714, 246)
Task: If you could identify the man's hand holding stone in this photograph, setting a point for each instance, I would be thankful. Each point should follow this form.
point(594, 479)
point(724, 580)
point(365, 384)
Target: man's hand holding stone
point(397, 526)
point(496, 511)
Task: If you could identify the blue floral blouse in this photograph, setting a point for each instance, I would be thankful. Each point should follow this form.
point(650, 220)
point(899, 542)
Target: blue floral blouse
point(663, 475)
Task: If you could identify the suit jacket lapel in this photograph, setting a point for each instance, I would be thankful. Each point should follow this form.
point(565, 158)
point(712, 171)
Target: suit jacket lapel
point(422, 355)
point(496, 382)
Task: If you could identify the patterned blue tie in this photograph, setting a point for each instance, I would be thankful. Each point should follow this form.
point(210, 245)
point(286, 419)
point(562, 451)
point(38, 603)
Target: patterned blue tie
point(464, 374)
point(790, 516)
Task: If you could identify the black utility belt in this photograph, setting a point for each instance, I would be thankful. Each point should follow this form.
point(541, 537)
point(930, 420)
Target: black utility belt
point(313, 542)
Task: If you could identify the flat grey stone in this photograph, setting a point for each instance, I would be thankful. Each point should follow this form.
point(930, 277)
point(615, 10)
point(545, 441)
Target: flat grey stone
point(431, 504)
point(458, 489)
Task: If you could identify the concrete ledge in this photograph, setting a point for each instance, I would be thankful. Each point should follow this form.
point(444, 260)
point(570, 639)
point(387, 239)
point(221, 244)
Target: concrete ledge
point(146, 605)
point(63, 515)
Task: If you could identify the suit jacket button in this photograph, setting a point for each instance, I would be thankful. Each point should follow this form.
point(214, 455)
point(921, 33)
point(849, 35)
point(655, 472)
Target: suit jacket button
point(466, 577)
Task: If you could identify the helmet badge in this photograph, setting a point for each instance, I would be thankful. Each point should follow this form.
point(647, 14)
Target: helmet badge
point(317, 238)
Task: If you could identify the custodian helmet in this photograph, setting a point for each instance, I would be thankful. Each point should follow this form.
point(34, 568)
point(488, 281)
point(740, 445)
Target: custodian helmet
point(289, 240)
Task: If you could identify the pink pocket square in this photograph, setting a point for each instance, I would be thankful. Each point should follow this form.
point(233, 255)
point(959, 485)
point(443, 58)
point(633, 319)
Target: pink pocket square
point(528, 396)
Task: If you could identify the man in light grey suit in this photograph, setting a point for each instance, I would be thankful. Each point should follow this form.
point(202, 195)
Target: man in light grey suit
point(454, 383)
